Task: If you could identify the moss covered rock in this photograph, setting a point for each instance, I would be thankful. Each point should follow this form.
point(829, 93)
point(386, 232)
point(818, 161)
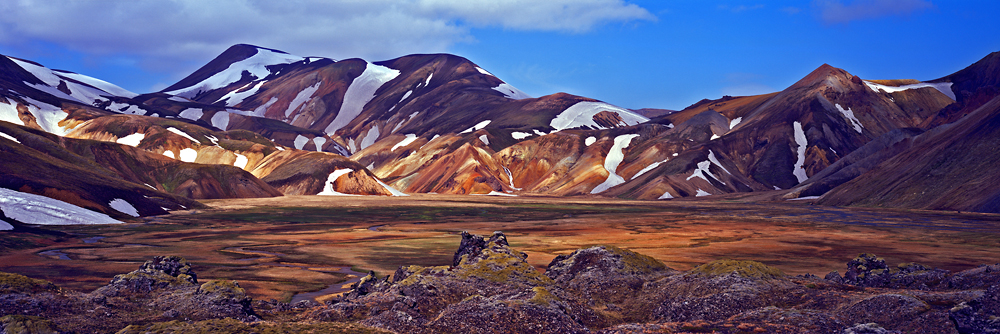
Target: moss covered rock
point(742, 268)
point(16, 283)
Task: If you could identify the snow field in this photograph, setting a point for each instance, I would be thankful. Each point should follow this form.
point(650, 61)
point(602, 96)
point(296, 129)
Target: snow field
point(519, 135)
point(256, 65)
point(477, 127)
point(370, 138)
point(850, 117)
point(943, 87)
point(328, 187)
point(41, 210)
point(188, 155)
point(648, 168)
point(611, 162)
point(359, 93)
point(237, 96)
point(300, 98)
point(300, 142)
point(132, 139)
point(319, 142)
point(193, 114)
point(582, 114)
point(590, 140)
point(800, 140)
point(9, 137)
point(510, 92)
point(183, 134)
point(241, 161)
point(410, 138)
point(221, 120)
point(124, 206)
point(484, 139)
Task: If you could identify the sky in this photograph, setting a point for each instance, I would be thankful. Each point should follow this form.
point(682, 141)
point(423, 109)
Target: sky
point(635, 54)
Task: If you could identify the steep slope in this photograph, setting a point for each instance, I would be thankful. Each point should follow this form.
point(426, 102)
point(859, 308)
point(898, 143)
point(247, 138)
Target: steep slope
point(36, 162)
point(359, 103)
point(952, 167)
point(973, 86)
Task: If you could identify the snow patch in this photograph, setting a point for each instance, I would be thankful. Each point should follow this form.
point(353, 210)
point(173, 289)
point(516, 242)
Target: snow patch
point(943, 87)
point(478, 126)
point(189, 155)
point(711, 157)
point(8, 113)
point(410, 138)
point(481, 70)
point(179, 99)
point(714, 137)
point(259, 112)
point(582, 114)
point(4, 135)
point(241, 161)
point(237, 96)
point(648, 168)
point(183, 134)
point(359, 93)
point(800, 140)
point(666, 195)
point(300, 142)
point(850, 117)
point(803, 198)
point(193, 114)
point(611, 162)
point(99, 84)
point(510, 92)
point(124, 206)
point(519, 135)
point(301, 98)
point(319, 141)
point(391, 190)
point(590, 140)
point(132, 139)
point(41, 210)
point(510, 178)
point(169, 154)
point(370, 138)
point(538, 132)
point(733, 123)
point(256, 65)
point(47, 116)
point(484, 139)
point(328, 187)
point(496, 193)
point(701, 193)
point(221, 120)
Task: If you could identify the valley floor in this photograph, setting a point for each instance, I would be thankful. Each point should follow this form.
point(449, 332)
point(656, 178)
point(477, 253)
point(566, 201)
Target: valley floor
point(284, 246)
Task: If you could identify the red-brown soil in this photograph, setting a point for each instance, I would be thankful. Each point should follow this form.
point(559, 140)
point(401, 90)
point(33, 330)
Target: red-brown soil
point(276, 247)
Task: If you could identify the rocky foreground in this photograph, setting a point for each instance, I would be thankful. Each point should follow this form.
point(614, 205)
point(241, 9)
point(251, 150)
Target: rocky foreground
point(490, 288)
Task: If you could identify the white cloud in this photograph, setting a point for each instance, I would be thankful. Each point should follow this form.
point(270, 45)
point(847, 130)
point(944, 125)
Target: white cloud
point(168, 31)
point(835, 11)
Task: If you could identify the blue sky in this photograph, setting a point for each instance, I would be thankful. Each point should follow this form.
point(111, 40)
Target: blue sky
point(635, 54)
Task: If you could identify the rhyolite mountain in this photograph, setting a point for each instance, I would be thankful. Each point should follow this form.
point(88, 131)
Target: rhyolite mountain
point(438, 123)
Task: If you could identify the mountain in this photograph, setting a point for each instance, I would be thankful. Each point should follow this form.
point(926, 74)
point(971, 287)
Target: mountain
point(439, 123)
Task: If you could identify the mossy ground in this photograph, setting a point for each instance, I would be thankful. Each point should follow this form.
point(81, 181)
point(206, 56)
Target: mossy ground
point(232, 326)
point(17, 283)
point(743, 268)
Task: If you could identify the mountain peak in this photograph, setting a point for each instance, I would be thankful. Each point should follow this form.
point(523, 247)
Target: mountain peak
point(824, 73)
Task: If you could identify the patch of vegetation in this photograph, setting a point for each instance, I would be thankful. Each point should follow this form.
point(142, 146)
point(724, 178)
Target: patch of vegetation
point(226, 288)
point(502, 268)
point(18, 324)
point(542, 296)
point(744, 268)
point(16, 283)
point(636, 263)
point(232, 326)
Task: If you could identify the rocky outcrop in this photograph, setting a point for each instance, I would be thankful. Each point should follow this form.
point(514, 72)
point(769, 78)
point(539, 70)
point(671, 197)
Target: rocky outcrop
point(490, 288)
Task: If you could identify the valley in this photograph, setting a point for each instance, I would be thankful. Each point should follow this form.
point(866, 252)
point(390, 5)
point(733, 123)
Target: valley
point(282, 246)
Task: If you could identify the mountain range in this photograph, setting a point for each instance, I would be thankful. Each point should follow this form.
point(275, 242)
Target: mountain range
point(258, 122)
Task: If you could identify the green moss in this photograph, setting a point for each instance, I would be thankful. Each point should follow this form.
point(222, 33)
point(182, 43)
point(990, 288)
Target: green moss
point(636, 263)
point(22, 324)
point(10, 282)
point(542, 296)
point(502, 268)
point(226, 288)
point(232, 326)
point(744, 268)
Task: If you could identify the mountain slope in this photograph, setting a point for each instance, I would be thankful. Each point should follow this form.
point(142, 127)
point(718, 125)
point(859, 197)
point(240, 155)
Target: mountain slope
point(953, 167)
